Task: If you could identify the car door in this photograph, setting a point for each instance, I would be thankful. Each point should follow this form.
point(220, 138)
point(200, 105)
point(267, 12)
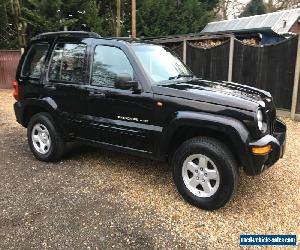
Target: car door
point(65, 83)
point(118, 116)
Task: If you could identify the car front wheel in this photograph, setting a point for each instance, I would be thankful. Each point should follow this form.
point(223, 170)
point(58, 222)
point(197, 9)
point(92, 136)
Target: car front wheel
point(205, 172)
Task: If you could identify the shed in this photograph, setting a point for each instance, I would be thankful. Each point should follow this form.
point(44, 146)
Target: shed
point(269, 28)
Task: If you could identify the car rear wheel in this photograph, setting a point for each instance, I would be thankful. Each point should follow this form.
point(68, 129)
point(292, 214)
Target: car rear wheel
point(205, 172)
point(44, 140)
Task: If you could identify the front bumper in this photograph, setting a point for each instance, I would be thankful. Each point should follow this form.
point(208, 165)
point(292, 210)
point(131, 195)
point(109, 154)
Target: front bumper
point(277, 141)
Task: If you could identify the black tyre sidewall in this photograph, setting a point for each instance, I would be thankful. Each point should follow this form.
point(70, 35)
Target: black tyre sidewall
point(225, 165)
point(46, 120)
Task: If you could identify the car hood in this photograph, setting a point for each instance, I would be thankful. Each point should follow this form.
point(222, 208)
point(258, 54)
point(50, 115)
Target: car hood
point(221, 93)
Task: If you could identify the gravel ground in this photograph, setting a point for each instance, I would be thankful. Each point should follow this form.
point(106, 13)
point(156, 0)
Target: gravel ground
point(96, 199)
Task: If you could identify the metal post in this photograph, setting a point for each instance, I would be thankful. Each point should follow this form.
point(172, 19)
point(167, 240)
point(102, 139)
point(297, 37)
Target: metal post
point(65, 26)
point(184, 51)
point(133, 16)
point(230, 62)
point(118, 28)
point(296, 82)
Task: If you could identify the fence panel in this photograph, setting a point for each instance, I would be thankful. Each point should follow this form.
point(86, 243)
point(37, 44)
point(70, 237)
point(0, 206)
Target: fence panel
point(176, 47)
point(210, 64)
point(9, 60)
point(271, 68)
point(298, 100)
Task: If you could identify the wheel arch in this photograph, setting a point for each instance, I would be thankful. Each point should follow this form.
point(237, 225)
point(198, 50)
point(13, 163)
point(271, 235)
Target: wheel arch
point(228, 130)
point(34, 106)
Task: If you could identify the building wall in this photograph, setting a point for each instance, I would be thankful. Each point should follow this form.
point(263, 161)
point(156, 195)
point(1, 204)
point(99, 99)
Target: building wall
point(296, 27)
point(9, 60)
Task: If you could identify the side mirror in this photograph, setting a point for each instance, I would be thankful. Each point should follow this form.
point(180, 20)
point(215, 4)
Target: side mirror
point(125, 82)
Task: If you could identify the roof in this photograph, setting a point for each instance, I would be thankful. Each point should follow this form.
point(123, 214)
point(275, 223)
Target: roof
point(278, 22)
point(189, 37)
point(67, 33)
point(82, 34)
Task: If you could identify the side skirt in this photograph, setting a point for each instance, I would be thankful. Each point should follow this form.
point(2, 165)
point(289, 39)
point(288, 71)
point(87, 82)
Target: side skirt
point(127, 150)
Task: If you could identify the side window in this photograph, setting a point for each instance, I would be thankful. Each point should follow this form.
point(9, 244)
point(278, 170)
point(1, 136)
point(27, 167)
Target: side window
point(109, 62)
point(68, 63)
point(34, 61)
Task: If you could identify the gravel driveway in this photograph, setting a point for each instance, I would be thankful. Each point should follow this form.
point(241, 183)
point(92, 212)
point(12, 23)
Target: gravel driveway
point(96, 199)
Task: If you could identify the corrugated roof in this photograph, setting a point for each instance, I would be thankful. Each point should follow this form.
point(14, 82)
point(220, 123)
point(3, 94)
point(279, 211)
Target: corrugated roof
point(278, 22)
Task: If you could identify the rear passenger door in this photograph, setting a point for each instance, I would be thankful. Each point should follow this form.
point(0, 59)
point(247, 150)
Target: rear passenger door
point(65, 83)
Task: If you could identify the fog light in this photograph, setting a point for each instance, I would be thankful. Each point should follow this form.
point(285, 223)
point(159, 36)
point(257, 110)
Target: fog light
point(262, 150)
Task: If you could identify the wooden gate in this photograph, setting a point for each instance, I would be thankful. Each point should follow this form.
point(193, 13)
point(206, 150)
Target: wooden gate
point(9, 60)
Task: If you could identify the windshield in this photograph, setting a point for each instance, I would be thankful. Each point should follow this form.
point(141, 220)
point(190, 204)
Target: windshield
point(160, 63)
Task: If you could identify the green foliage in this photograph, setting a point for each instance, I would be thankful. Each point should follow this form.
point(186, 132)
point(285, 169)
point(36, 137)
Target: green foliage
point(8, 36)
point(20, 20)
point(169, 17)
point(254, 7)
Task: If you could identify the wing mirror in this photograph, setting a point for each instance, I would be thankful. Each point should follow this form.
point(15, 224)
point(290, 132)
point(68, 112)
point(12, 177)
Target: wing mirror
point(125, 82)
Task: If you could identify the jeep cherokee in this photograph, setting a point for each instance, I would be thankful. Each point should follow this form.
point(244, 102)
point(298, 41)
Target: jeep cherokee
point(138, 97)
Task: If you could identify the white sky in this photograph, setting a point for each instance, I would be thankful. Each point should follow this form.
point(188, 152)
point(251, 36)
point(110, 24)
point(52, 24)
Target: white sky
point(234, 10)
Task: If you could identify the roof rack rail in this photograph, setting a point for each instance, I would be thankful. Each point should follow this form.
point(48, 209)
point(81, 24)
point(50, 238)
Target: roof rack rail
point(67, 33)
point(123, 38)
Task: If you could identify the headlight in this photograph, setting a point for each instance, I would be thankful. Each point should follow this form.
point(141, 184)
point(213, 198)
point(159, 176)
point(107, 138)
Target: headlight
point(260, 119)
point(261, 123)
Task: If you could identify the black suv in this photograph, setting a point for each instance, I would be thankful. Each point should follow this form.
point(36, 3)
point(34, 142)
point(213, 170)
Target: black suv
point(137, 97)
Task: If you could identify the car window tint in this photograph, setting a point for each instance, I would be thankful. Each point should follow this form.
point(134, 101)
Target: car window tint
point(34, 61)
point(68, 63)
point(109, 62)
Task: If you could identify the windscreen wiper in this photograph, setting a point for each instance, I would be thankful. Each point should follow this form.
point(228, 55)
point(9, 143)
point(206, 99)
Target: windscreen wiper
point(179, 76)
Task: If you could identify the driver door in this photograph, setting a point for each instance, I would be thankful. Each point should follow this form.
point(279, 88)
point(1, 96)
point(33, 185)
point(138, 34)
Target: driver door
point(116, 116)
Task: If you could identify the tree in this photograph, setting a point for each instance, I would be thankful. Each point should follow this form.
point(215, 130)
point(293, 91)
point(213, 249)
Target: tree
point(4, 25)
point(254, 7)
point(20, 20)
point(24, 19)
point(228, 8)
point(274, 5)
point(169, 17)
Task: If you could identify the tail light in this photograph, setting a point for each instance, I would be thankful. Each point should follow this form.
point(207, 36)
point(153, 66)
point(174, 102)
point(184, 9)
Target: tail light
point(16, 89)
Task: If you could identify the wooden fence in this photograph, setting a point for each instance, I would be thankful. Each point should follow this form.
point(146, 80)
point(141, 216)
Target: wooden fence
point(9, 60)
point(211, 64)
point(270, 67)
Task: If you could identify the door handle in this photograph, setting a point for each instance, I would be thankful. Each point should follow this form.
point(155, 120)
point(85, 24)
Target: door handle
point(50, 87)
point(96, 94)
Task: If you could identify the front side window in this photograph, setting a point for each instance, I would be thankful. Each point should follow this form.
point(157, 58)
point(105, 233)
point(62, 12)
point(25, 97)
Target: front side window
point(35, 60)
point(109, 63)
point(68, 63)
point(159, 63)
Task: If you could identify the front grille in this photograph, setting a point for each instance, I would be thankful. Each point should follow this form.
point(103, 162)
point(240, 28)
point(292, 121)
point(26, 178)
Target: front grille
point(271, 116)
point(270, 112)
point(272, 122)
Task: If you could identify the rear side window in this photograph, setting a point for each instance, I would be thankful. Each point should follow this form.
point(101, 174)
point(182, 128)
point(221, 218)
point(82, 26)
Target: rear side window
point(68, 63)
point(34, 61)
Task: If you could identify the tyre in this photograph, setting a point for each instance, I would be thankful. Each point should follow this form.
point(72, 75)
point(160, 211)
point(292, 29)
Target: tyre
point(44, 140)
point(205, 172)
